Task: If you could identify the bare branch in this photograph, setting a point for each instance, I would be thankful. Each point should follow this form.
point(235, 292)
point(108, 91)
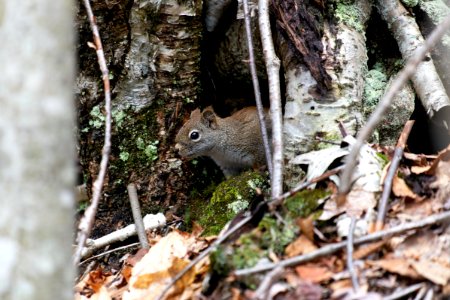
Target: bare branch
point(382, 206)
point(273, 73)
point(137, 215)
point(327, 250)
point(108, 252)
point(385, 103)
point(87, 221)
point(426, 81)
point(256, 89)
point(150, 222)
point(405, 292)
point(264, 288)
point(350, 264)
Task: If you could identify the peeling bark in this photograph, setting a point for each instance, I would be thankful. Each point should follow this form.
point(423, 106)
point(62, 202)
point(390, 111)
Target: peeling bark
point(309, 115)
point(302, 31)
point(428, 15)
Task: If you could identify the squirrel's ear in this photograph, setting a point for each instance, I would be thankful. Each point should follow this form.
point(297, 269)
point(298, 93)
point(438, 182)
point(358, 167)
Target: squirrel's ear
point(195, 112)
point(209, 118)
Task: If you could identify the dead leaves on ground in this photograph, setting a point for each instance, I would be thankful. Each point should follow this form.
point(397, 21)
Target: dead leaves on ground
point(420, 189)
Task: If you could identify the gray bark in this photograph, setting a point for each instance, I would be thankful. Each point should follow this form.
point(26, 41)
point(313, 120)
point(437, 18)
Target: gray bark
point(306, 115)
point(36, 149)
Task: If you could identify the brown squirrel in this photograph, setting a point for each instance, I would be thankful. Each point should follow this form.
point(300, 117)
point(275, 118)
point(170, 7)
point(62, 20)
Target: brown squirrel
point(234, 143)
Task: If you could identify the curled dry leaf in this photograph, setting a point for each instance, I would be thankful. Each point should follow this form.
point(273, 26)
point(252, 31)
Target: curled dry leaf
point(401, 189)
point(162, 262)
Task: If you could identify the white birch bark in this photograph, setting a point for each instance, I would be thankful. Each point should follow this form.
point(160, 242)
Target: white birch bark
point(307, 115)
point(426, 81)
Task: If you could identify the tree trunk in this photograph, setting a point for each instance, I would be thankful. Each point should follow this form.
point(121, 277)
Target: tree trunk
point(152, 50)
point(37, 149)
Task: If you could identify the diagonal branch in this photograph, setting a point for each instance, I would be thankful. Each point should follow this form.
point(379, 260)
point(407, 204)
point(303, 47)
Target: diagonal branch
point(332, 248)
point(426, 81)
point(385, 102)
point(87, 221)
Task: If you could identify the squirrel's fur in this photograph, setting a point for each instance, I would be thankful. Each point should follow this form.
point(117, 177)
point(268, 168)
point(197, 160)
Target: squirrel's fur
point(234, 143)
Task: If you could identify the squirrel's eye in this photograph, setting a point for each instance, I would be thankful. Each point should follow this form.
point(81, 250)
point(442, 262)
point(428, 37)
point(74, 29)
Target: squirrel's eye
point(194, 135)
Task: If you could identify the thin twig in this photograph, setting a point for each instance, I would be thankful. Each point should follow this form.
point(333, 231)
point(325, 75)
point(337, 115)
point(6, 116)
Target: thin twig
point(384, 104)
point(273, 74)
point(108, 252)
point(256, 88)
point(85, 226)
point(327, 250)
point(350, 264)
point(421, 293)
point(264, 288)
point(429, 295)
point(277, 201)
point(137, 215)
point(395, 161)
point(150, 222)
point(404, 292)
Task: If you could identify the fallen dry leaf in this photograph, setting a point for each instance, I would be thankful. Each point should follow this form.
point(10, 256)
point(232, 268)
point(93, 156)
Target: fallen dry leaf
point(358, 202)
point(399, 266)
point(401, 189)
point(419, 169)
point(300, 246)
point(102, 294)
point(314, 272)
point(365, 250)
point(432, 271)
point(442, 182)
point(306, 226)
point(163, 261)
point(97, 279)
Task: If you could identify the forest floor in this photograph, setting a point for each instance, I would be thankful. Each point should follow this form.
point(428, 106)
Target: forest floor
point(327, 251)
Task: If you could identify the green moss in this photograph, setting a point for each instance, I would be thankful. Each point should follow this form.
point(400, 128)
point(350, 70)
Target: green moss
point(374, 86)
point(248, 252)
point(270, 236)
point(350, 15)
point(410, 3)
point(328, 137)
point(383, 158)
point(97, 118)
point(230, 197)
point(437, 10)
point(275, 237)
point(82, 206)
point(124, 156)
point(150, 148)
point(119, 116)
point(304, 203)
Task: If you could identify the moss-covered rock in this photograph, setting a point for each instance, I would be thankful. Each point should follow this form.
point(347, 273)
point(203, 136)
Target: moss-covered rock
point(230, 197)
point(271, 236)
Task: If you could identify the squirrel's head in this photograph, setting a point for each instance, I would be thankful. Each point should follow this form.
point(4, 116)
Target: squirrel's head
point(198, 135)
